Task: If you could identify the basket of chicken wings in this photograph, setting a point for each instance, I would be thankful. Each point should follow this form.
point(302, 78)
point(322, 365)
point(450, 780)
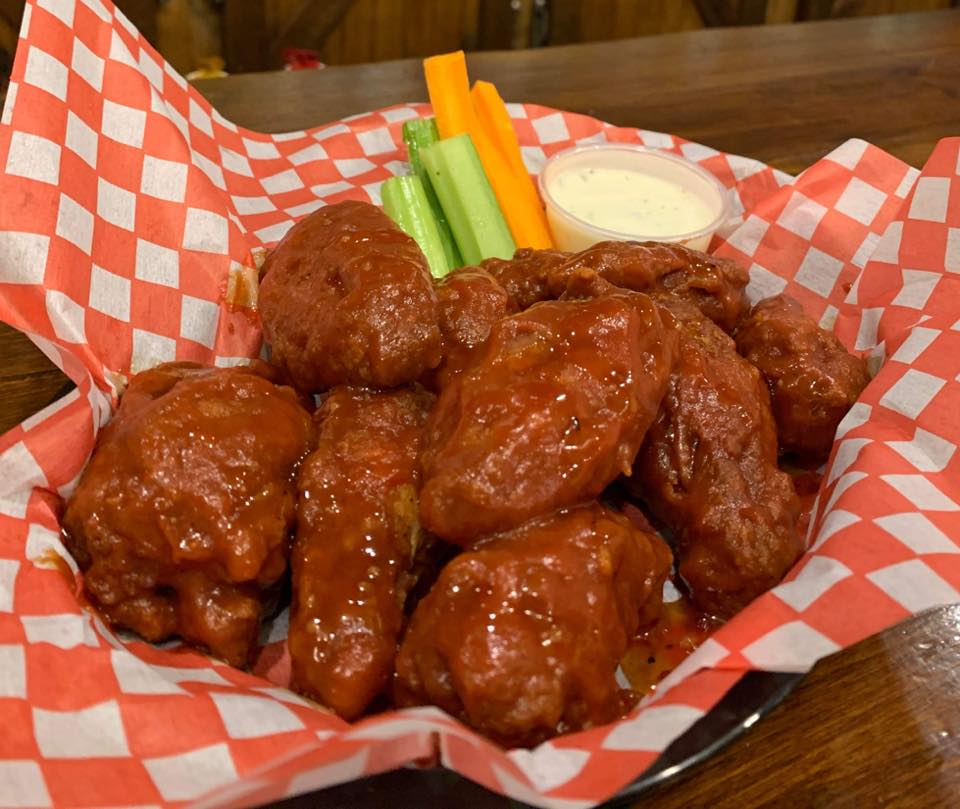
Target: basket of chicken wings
point(457, 496)
point(365, 470)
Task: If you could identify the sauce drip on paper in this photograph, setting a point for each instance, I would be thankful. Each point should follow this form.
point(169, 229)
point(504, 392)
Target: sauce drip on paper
point(659, 649)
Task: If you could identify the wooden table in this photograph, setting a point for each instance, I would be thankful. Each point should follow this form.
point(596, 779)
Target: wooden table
point(877, 724)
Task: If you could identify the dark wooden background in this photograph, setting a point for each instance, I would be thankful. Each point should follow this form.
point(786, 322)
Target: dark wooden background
point(251, 35)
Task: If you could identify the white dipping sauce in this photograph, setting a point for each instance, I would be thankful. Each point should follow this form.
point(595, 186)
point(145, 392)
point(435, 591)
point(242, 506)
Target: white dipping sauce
point(629, 201)
point(602, 191)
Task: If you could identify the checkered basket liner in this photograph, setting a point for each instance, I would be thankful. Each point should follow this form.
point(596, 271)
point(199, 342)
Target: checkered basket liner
point(130, 208)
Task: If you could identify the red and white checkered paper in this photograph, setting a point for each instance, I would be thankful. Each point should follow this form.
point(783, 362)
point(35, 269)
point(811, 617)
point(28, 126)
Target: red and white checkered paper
point(127, 203)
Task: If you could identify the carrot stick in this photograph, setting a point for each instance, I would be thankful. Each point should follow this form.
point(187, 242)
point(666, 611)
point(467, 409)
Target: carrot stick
point(525, 214)
point(449, 90)
point(518, 198)
point(493, 116)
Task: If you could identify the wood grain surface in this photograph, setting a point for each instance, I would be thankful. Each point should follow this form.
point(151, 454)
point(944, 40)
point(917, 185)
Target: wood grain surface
point(877, 724)
point(783, 94)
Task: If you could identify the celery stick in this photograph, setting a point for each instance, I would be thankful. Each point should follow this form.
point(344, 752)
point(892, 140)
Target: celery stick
point(466, 196)
point(405, 202)
point(418, 134)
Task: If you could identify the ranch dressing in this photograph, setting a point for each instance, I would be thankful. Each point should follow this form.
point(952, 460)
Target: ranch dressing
point(629, 201)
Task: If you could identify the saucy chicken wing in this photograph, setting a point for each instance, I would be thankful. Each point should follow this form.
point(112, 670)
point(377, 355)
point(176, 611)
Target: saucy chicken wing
point(708, 469)
point(526, 276)
point(813, 379)
point(716, 286)
point(183, 517)
point(550, 410)
point(357, 534)
point(347, 298)
point(470, 302)
point(521, 635)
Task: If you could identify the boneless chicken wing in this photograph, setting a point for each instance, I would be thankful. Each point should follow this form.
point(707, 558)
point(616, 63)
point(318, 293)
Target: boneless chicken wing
point(470, 301)
point(716, 286)
point(182, 519)
point(526, 276)
point(813, 379)
point(521, 635)
point(347, 297)
point(552, 408)
point(356, 538)
point(708, 469)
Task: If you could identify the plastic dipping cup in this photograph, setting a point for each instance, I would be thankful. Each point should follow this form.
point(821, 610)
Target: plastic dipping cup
point(645, 168)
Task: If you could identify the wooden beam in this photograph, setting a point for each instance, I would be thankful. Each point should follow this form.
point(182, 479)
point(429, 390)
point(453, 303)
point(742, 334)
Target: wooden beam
point(713, 13)
point(245, 36)
point(717, 13)
point(781, 11)
point(311, 23)
point(12, 11)
point(751, 12)
point(497, 24)
point(143, 14)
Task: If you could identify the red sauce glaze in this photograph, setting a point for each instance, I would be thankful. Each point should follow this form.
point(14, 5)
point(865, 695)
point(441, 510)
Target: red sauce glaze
point(813, 379)
point(550, 410)
point(708, 470)
point(470, 303)
point(807, 483)
point(51, 560)
point(680, 628)
point(716, 286)
point(182, 519)
point(526, 276)
point(522, 634)
point(659, 648)
point(357, 535)
point(347, 298)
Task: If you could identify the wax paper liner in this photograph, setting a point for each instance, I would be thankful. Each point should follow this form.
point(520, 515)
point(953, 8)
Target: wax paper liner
point(130, 211)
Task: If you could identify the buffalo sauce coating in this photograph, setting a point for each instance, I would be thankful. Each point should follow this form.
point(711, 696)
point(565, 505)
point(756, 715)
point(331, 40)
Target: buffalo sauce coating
point(550, 410)
point(183, 515)
point(347, 298)
point(662, 645)
point(708, 469)
point(525, 277)
point(356, 536)
point(658, 649)
point(681, 628)
point(470, 302)
point(813, 379)
point(521, 635)
point(716, 286)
